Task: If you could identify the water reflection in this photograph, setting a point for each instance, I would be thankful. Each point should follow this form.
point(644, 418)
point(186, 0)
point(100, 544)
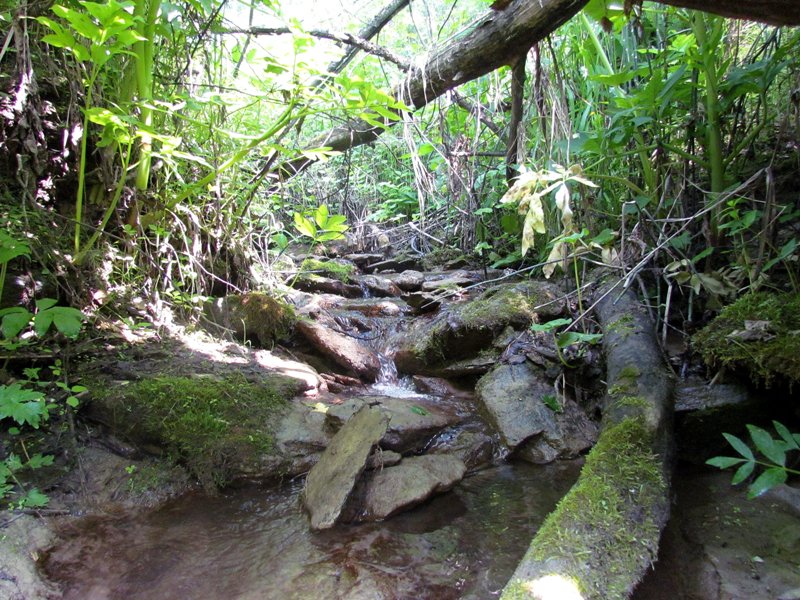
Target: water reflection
point(255, 543)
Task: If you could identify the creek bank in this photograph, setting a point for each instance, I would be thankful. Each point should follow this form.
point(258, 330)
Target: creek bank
point(721, 545)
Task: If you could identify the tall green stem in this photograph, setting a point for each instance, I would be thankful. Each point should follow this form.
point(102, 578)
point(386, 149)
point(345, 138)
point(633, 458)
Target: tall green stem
point(147, 13)
point(82, 162)
point(707, 47)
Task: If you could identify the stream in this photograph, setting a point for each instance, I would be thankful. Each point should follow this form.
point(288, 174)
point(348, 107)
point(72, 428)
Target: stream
point(255, 543)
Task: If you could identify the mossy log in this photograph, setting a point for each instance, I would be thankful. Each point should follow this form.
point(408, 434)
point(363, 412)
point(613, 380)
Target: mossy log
point(604, 533)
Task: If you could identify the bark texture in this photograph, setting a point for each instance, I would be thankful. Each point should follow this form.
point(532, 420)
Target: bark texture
point(498, 39)
point(774, 12)
point(604, 533)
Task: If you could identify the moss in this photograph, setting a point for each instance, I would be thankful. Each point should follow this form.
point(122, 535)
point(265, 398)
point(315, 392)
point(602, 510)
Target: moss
point(607, 527)
point(329, 268)
point(775, 355)
point(212, 425)
point(267, 318)
point(440, 257)
point(471, 327)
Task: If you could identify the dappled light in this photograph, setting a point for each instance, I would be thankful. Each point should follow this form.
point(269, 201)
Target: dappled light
point(398, 298)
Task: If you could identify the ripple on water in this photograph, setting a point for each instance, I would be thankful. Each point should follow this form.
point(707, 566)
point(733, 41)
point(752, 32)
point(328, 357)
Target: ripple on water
point(255, 543)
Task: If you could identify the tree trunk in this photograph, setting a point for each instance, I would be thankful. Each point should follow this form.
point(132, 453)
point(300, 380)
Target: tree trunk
point(604, 534)
point(513, 154)
point(496, 40)
point(774, 12)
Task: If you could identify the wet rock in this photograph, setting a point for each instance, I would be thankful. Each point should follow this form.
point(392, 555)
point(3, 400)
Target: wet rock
point(397, 264)
point(394, 489)
point(423, 302)
point(379, 286)
point(704, 412)
point(408, 281)
point(372, 307)
point(412, 421)
point(474, 448)
point(466, 329)
point(23, 538)
point(300, 438)
point(345, 351)
point(332, 479)
point(469, 367)
point(320, 284)
point(438, 386)
point(446, 281)
point(512, 395)
point(364, 260)
point(383, 458)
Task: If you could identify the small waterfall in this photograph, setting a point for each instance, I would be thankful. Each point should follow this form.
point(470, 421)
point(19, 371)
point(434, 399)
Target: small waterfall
point(389, 383)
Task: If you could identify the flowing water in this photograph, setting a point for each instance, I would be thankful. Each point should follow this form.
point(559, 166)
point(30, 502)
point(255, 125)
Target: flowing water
point(255, 543)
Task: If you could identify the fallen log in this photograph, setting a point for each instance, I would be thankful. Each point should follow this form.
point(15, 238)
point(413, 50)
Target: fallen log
point(604, 533)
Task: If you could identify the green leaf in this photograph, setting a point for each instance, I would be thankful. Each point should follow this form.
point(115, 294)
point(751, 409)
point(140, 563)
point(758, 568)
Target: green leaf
point(38, 460)
point(418, 410)
point(35, 499)
point(42, 321)
point(11, 248)
point(329, 235)
point(791, 443)
point(73, 401)
point(766, 445)
point(724, 462)
point(67, 320)
point(573, 337)
point(766, 481)
point(743, 472)
point(550, 325)
point(304, 226)
point(14, 320)
point(24, 406)
point(321, 216)
point(739, 446)
point(45, 303)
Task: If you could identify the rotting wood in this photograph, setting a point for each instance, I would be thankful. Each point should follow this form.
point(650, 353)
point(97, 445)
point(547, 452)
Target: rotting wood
point(604, 534)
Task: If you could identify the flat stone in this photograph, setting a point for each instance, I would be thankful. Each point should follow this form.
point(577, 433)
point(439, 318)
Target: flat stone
point(449, 280)
point(408, 281)
point(474, 448)
point(414, 480)
point(318, 283)
point(412, 421)
point(379, 286)
point(383, 458)
point(343, 350)
point(331, 480)
point(512, 395)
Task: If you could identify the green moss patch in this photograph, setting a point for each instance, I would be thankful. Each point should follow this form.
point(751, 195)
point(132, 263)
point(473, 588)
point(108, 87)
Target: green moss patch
point(605, 531)
point(760, 333)
point(268, 318)
point(472, 326)
point(215, 426)
point(327, 268)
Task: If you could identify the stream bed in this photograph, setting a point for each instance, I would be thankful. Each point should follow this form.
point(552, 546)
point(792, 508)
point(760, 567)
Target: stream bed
point(255, 543)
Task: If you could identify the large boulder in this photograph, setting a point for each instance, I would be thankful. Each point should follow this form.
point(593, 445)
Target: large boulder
point(466, 329)
point(412, 421)
point(355, 358)
point(331, 481)
point(387, 491)
point(519, 401)
point(255, 316)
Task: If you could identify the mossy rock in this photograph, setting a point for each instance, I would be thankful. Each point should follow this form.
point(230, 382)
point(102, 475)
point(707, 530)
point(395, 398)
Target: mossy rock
point(343, 271)
point(469, 328)
point(759, 333)
point(255, 315)
point(220, 428)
